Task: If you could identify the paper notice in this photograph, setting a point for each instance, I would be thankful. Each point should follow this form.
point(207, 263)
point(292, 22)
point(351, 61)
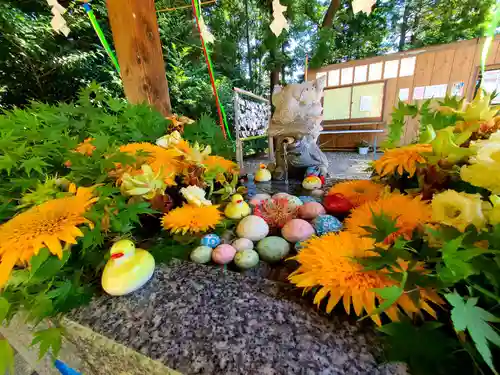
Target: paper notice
point(365, 104)
point(418, 93)
point(404, 94)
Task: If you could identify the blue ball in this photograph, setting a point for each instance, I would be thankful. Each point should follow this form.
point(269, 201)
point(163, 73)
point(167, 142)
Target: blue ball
point(307, 199)
point(210, 240)
point(312, 171)
point(324, 224)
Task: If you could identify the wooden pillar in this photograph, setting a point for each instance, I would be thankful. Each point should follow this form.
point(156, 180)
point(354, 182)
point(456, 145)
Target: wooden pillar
point(137, 43)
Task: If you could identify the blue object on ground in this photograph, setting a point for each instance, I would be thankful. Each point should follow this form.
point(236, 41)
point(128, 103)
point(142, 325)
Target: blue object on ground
point(65, 369)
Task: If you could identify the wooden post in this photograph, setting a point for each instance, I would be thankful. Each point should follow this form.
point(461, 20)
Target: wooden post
point(138, 47)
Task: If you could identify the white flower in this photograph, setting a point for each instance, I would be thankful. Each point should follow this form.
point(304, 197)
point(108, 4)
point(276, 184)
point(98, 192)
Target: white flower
point(195, 195)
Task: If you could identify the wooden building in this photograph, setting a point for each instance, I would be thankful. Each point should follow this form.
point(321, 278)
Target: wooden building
point(361, 94)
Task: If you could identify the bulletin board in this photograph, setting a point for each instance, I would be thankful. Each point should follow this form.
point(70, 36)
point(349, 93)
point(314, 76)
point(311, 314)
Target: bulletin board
point(356, 102)
point(367, 100)
point(337, 103)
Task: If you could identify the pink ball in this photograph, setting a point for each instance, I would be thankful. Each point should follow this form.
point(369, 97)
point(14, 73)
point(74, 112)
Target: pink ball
point(311, 210)
point(223, 254)
point(297, 230)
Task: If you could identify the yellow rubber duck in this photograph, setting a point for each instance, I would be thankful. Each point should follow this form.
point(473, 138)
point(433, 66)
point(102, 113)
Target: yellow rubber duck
point(263, 174)
point(127, 269)
point(238, 208)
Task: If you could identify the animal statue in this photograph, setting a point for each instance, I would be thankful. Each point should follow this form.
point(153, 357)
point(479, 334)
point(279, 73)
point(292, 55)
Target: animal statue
point(296, 126)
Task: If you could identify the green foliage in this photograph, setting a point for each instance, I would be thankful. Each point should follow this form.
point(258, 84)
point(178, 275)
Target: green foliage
point(206, 131)
point(427, 348)
point(467, 316)
point(396, 127)
point(50, 338)
point(6, 357)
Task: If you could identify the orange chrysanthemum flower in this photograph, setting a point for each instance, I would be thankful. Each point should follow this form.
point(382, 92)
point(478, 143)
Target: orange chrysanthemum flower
point(158, 158)
point(213, 161)
point(401, 159)
point(41, 226)
point(409, 214)
point(192, 219)
point(328, 262)
point(358, 192)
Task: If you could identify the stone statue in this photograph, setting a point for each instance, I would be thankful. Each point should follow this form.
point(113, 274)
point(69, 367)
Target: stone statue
point(296, 125)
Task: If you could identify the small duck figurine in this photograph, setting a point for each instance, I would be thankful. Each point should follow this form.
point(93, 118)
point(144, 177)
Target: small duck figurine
point(127, 269)
point(312, 182)
point(263, 174)
point(238, 208)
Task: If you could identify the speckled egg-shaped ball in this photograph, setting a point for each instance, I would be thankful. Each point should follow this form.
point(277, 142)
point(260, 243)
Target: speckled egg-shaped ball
point(201, 255)
point(257, 198)
point(280, 195)
point(252, 227)
point(294, 201)
point(246, 259)
point(311, 210)
point(210, 240)
point(242, 244)
point(272, 249)
point(297, 230)
point(306, 199)
point(223, 254)
point(326, 224)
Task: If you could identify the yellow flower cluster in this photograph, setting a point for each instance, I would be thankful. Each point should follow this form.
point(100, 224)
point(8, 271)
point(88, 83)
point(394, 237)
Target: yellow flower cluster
point(484, 168)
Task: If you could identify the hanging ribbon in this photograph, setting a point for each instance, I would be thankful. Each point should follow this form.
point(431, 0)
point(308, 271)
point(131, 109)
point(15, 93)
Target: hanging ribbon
point(220, 108)
point(490, 34)
point(101, 36)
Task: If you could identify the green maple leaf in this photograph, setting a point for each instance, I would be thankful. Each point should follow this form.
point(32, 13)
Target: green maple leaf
point(6, 163)
point(6, 357)
point(33, 164)
point(49, 338)
point(390, 295)
point(4, 308)
point(465, 315)
point(384, 226)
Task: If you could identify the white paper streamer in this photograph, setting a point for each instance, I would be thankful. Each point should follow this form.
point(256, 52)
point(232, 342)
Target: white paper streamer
point(362, 6)
point(58, 23)
point(279, 22)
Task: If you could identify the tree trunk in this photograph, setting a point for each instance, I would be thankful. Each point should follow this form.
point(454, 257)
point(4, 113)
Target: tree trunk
point(404, 25)
point(249, 55)
point(330, 14)
point(283, 67)
point(138, 47)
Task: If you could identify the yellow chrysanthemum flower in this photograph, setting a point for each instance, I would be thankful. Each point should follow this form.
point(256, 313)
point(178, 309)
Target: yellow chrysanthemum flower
point(327, 262)
point(42, 226)
point(458, 209)
point(482, 175)
point(409, 214)
point(146, 184)
point(402, 159)
point(358, 192)
point(159, 159)
point(213, 161)
point(193, 219)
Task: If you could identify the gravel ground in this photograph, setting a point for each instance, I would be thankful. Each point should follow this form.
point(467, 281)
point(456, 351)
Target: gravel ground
point(342, 165)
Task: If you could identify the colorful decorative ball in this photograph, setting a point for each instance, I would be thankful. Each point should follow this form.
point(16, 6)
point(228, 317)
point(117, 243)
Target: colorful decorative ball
point(311, 183)
point(337, 204)
point(210, 240)
point(307, 199)
point(313, 171)
point(252, 227)
point(257, 198)
point(242, 244)
point(272, 249)
point(223, 254)
point(280, 195)
point(311, 210)
point(326, 224)
point(246, 259)
point(297, 230)
point(201, 255)
point(294, 201)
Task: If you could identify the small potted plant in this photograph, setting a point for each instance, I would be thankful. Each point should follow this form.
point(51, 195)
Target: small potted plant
point(363, 147)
